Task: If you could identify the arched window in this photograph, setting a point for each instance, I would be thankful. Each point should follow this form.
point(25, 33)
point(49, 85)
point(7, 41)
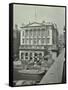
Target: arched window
point(23, 33)
point(23, 41)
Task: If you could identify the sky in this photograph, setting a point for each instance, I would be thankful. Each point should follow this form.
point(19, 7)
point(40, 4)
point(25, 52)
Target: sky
point(23, 14)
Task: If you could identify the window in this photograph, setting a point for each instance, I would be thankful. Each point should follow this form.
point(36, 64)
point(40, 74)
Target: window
point(22, 55)
point(23, 33)
point(38, 32)
point(38, 40)
point(35, 54)
point(26, 57)
point(30, 40)
point(30, 54)
point(47, 41)
point(35, 59)
point(30, 33)
point(40, 54)
point(34, 41)
point(34, 33)
point(42, 32)
point(48, 32)
point(26, 33)
point(22, 40)
point(42, 40)
point(30, 58)
point(25, 41)
point(26, 54)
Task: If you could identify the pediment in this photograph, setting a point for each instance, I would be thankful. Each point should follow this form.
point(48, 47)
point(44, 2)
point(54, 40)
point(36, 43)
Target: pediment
point(34, 24)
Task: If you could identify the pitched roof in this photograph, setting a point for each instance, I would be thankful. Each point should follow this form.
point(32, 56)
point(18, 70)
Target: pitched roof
point(37, 24)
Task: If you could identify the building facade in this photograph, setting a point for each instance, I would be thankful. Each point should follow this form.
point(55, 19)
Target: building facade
point(64, 32)
point(34, 38)
point(16, 42)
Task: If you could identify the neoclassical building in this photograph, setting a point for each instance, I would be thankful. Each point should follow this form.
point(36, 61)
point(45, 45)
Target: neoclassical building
point(35, 37)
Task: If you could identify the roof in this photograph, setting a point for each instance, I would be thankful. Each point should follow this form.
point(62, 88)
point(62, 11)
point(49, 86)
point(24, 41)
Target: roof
point(37, 24)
